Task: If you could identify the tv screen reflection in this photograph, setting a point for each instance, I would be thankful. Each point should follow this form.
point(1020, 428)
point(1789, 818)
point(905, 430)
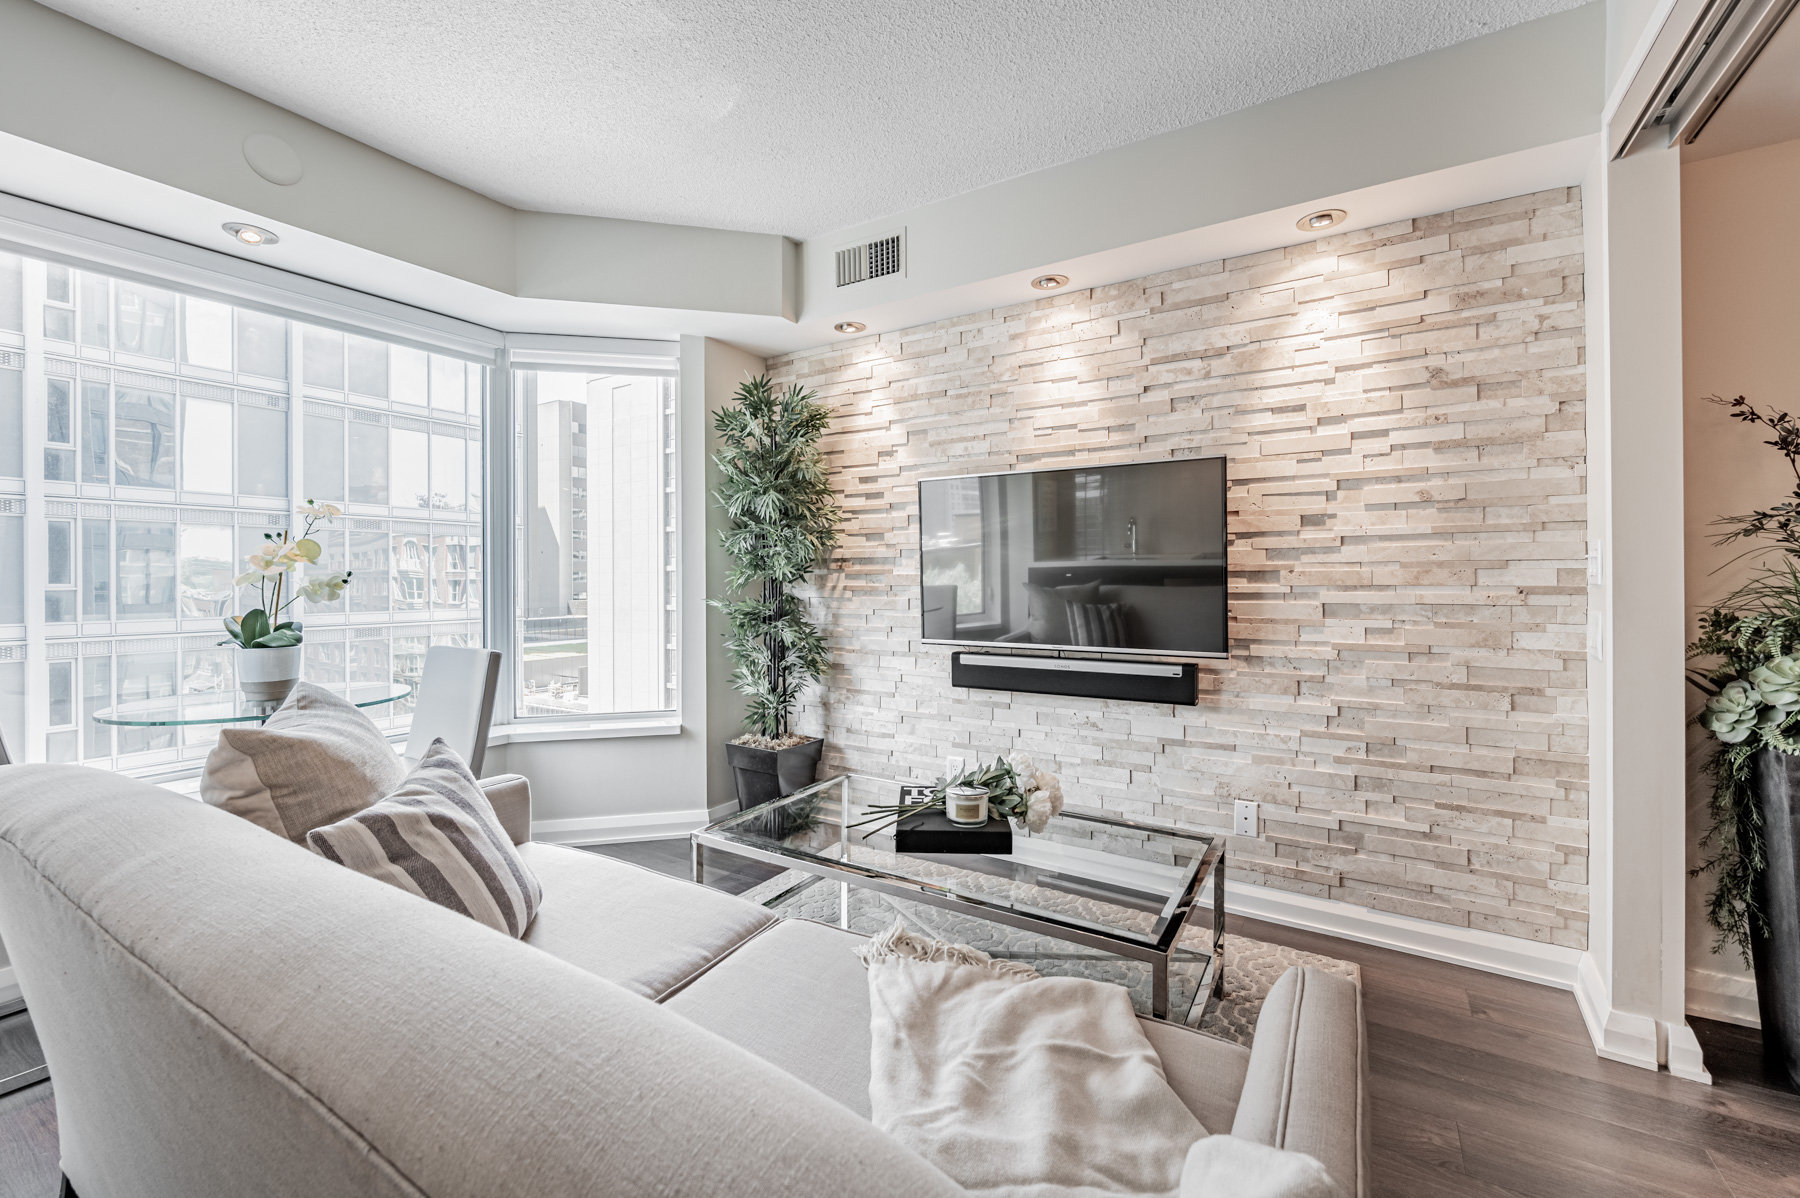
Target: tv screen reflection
point(1127, 558)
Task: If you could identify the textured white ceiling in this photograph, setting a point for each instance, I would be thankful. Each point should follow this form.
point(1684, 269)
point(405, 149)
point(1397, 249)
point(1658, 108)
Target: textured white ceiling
point(784, 116)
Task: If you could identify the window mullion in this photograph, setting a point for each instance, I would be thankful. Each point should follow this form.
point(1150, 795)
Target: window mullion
point(502, 529)
point(37, 524)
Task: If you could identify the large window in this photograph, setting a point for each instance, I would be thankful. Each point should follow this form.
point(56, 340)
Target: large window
point(148, 440)
point(597, 585)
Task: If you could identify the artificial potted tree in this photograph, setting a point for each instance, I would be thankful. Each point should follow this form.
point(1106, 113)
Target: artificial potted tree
point(1750, 646)
point(777, 495)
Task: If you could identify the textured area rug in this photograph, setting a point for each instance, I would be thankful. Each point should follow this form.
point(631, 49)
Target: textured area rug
point(1251, 966)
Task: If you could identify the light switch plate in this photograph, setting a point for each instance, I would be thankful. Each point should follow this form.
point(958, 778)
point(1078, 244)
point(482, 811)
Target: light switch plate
point(1243, 822)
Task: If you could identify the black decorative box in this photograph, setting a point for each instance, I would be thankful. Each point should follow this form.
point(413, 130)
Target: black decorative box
point(932, 832)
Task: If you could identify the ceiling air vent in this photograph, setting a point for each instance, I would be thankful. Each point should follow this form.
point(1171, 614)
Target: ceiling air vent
point(870, 260)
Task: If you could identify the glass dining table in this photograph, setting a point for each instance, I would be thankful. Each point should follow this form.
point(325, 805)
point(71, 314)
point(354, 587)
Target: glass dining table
point(231, 707)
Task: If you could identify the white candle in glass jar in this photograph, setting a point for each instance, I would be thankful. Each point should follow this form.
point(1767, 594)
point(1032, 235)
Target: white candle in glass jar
point(967, 805)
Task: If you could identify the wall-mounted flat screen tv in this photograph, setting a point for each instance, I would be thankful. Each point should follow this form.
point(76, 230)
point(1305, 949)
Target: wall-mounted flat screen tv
point(1111, 559)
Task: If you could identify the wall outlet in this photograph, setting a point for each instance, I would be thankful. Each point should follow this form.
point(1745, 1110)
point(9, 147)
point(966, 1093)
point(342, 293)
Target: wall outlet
point(952, 767)
point(1243, 819)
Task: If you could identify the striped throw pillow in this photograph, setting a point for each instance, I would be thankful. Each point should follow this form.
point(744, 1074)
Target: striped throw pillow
point(1101, 625)
point(438, 837)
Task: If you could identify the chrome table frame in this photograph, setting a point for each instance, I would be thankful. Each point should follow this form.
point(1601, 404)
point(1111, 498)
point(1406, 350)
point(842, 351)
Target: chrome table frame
point(846, 873)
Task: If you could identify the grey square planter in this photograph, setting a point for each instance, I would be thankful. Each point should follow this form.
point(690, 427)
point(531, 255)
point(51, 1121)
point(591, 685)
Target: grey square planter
point(765, 774)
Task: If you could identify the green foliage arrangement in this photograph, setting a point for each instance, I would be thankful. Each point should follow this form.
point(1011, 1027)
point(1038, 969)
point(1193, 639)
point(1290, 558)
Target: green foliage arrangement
point(777, 492)
point(1750, 649)
point(1017, 787)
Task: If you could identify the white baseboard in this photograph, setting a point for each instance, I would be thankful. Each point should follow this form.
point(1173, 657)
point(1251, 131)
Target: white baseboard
point(1617, 1036)
point(1727, 997)
point(9, 984)
point(1528, 960)
point(1682, 1048)
point(618, 829)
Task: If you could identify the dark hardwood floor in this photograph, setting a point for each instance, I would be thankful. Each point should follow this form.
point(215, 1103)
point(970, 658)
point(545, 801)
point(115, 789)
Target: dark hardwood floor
point(1486, 1086)
point(27, 1117)
point(1483, 1085)
point(1480, 1086)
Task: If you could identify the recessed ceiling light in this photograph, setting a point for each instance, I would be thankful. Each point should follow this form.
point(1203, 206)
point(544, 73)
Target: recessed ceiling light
point(1050, 282)
point(849, 326)
point(250, 234)
point(1323, 219)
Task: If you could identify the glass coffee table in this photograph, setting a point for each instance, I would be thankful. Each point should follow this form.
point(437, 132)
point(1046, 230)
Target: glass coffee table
point(1088, 896)
point(232, 707)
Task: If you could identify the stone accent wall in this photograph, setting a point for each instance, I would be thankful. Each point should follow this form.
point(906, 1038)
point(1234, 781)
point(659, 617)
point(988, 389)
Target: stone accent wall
point(1403, 412)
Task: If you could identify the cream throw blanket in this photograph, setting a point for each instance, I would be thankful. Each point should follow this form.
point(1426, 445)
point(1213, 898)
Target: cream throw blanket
point(1014, 1084)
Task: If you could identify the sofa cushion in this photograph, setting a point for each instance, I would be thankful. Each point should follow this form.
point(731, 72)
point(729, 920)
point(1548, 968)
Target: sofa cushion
point(437, 837)
point(1205, 1072)
point(798, 997)
point(226, 1014)
point(643, 930)
point(316, 760)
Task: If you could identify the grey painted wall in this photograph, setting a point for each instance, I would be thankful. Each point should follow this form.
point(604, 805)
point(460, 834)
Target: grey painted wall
point(1529, 85)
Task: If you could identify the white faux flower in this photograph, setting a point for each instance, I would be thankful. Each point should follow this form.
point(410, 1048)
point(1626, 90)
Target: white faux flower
point(1042, 781)
point(326, 588)
point(322, 511)
point(1040, 789)
point(267, 561)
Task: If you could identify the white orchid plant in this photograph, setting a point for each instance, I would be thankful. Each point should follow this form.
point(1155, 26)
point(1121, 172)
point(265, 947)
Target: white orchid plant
point(1017, 787)
point(262, 627)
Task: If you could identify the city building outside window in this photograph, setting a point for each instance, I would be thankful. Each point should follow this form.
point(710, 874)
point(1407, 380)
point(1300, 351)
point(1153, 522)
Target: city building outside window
point(149, 438)
point(596, 596)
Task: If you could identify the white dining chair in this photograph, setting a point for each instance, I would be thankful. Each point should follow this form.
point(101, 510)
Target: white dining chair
point(455, 701)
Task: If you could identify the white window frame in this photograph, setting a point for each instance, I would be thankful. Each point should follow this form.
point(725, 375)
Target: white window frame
point(609, 355)
point(58, 236)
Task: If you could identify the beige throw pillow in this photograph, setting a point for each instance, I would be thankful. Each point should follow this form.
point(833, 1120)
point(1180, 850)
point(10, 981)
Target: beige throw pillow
point(316, 760)
point(438, 837)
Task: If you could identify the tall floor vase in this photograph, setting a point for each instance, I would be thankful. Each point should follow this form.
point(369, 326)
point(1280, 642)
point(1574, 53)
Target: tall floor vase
point(1777, 955)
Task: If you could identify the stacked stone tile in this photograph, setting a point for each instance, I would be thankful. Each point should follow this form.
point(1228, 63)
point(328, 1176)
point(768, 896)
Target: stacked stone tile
point(1403, 412)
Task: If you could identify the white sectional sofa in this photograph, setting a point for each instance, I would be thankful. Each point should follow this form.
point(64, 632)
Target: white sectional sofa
point(227, 1014)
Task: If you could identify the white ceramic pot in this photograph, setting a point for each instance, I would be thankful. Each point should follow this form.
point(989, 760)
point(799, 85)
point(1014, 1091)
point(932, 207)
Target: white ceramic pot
point(268, 674)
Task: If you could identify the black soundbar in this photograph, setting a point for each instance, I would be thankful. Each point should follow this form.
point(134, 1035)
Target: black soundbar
point(1142, 682)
